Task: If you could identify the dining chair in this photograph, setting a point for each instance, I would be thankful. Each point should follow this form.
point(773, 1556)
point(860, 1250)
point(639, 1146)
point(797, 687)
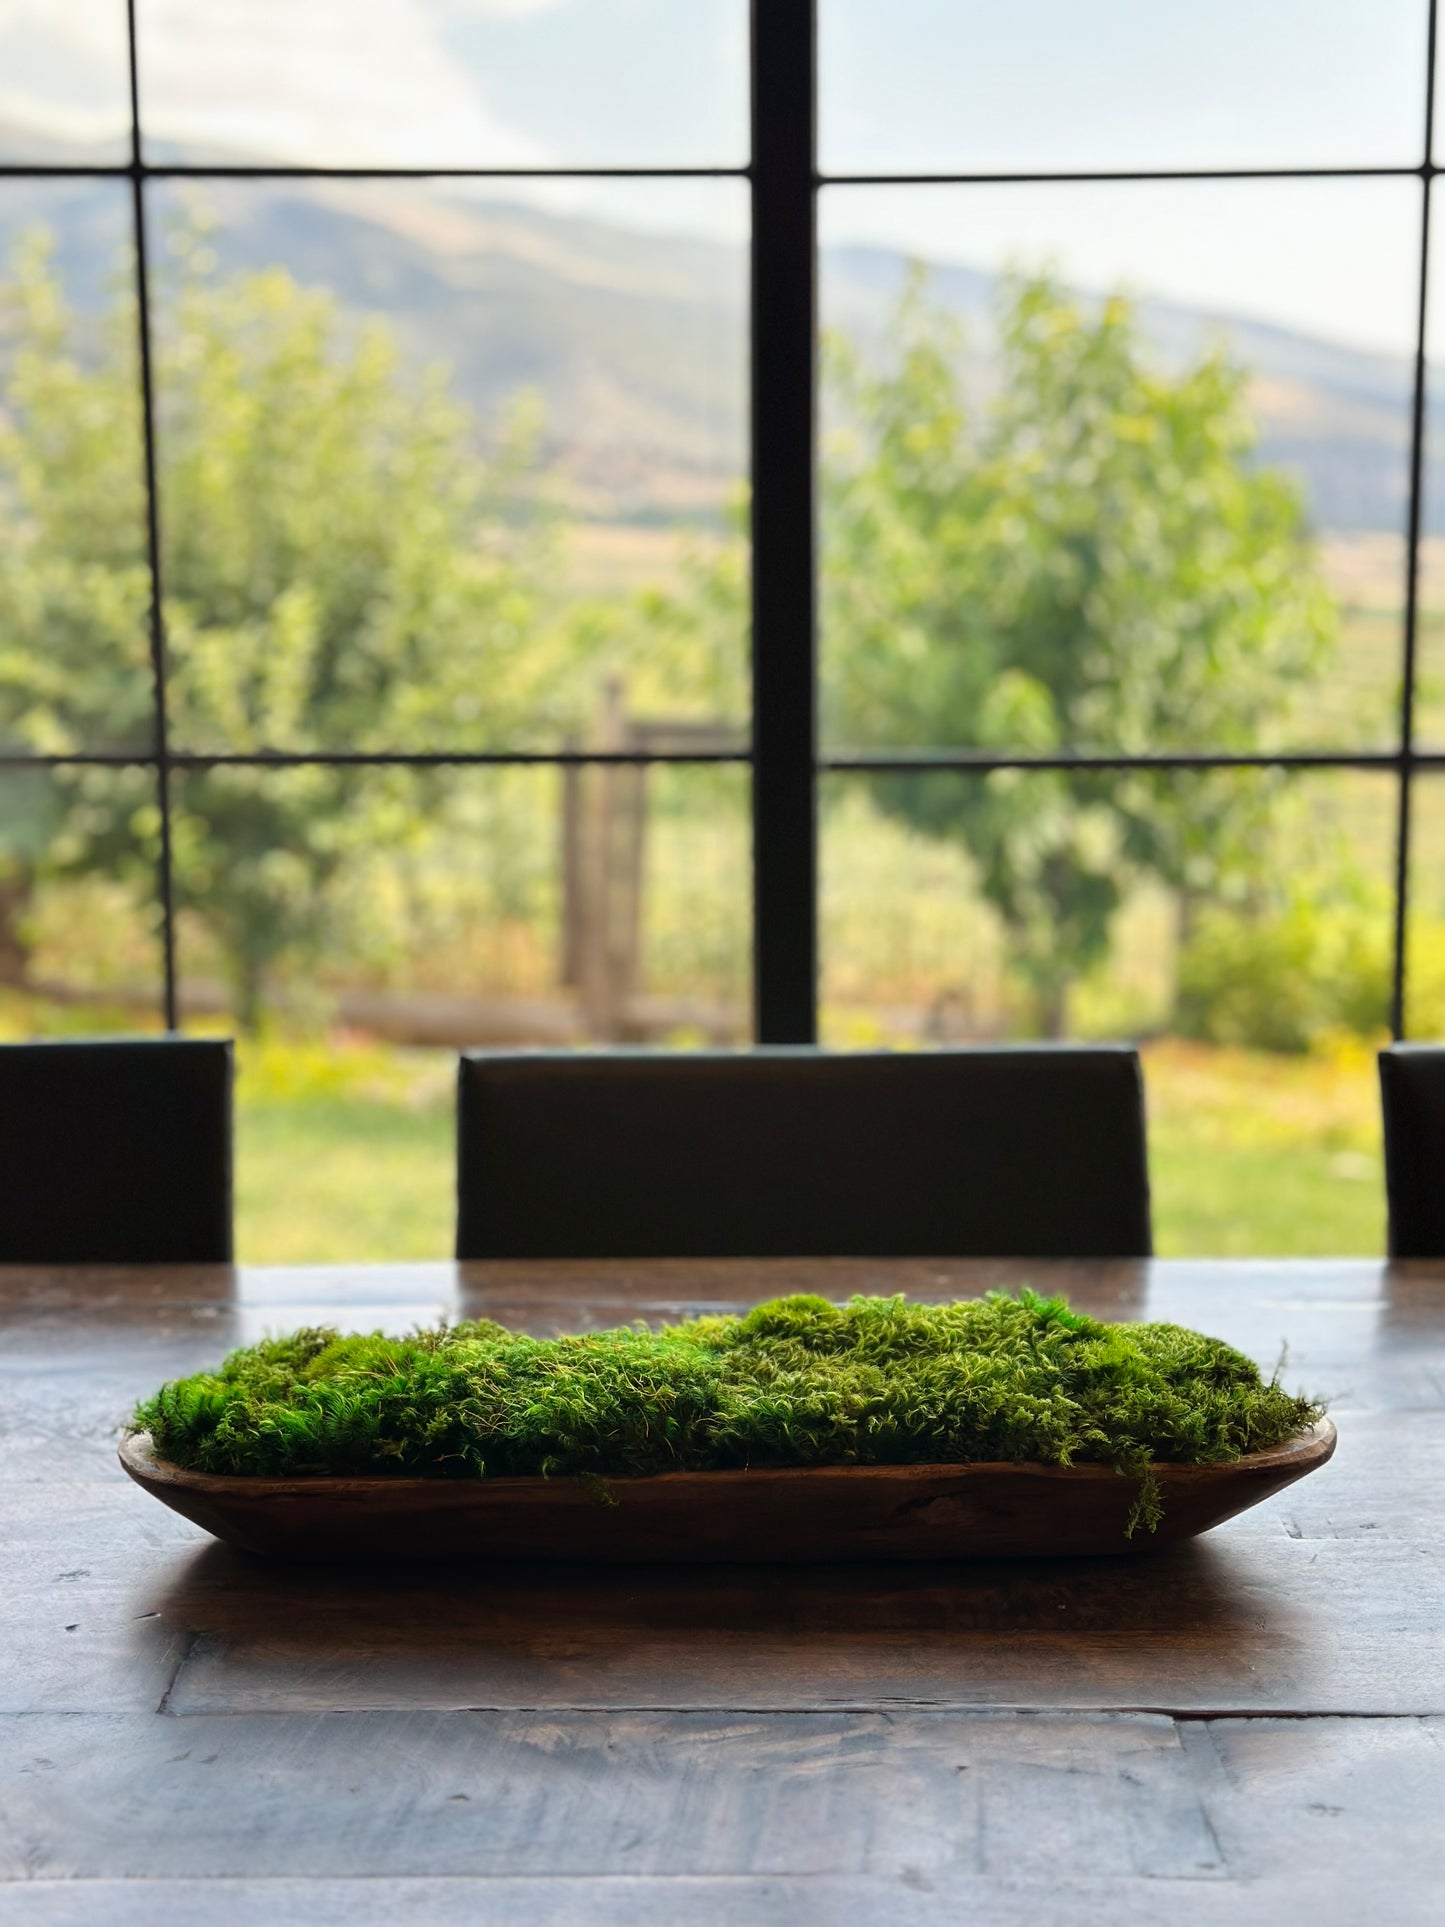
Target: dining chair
point(784, 1152)
point(1412, 1093)
point(115, 1151)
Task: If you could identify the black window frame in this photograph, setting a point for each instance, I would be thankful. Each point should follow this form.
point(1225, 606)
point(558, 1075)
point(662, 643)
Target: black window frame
point(785, 758)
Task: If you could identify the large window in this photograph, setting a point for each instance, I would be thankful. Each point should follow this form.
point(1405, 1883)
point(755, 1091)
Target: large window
point(608, 519)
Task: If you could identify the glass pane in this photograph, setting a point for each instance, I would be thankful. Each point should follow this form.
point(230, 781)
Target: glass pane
point(64, 82)
point(1430, 635)
point(967, 86)
point(359, 925)
point(1430, 632)
point(1425, 950)
point(446, 83)
point(74, 585)
point(1117, 467)
point(1237, 922)
point(80, 944)
point(445, 472)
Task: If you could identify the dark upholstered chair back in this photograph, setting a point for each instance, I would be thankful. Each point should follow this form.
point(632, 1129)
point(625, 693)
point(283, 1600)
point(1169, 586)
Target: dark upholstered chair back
point(116, 1151)
point(794, 1153)
point(1412, 1089)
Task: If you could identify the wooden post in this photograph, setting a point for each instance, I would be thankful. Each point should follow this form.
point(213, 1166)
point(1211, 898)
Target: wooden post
point(570, 963)
point(604, 856)
point(596, 973)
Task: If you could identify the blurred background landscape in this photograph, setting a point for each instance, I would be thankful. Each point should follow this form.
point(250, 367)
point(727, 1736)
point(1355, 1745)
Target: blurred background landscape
point(461, 467)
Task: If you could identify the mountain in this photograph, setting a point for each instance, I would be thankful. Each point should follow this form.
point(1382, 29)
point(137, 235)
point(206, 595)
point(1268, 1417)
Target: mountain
point(636, 342)
point(1338, 416)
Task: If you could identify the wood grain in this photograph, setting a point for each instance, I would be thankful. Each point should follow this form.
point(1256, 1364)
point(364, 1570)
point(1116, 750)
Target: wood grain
point(1069, 1811)
point(798, 1516)
point(188, 1734)
point(729, 1900)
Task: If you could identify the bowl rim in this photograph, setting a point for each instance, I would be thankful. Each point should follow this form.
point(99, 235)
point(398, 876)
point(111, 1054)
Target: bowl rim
point(1304, 1450)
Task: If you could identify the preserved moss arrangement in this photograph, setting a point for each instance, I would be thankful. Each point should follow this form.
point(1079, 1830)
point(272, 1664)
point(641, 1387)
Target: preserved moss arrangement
point(797, 1382)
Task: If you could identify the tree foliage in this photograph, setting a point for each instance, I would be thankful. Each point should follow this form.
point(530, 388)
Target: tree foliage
point(342, 571)
point(1087, 560)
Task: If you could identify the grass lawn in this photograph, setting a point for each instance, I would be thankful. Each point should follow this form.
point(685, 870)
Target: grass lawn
point(344, 1152)
point(1252, 1153)
point(322, 1179)
point(1237, 1204)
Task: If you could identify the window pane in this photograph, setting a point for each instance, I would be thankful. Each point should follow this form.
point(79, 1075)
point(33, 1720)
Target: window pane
point(446, 83)
point(64, 82)
point(74, 584)
point(446, 472)
point(1430, 631)
point(1425, 951)
point(357, 925)
point(1239, 923)
point(1119, 467)
point(968, 86)
point(80, 946)
point(1430, 637)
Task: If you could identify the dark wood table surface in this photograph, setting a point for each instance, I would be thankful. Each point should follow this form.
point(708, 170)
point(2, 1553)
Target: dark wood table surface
point(1249, 1728)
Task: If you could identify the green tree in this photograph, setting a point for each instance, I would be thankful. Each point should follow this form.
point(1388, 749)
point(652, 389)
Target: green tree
point(342, 571)
point(1089, 561)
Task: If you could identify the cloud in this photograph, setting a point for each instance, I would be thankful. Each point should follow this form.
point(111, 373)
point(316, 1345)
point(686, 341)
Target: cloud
point(345, 82)
point(480, 9)
point(320, 81)
point(64, 70)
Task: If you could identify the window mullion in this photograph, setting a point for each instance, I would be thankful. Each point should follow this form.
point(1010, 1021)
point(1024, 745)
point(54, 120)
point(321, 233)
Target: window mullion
point(784, 517)
point(153, 544)
point(1418, 429)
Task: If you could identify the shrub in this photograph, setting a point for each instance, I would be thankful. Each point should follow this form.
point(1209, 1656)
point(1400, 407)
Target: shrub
point(1280, 981)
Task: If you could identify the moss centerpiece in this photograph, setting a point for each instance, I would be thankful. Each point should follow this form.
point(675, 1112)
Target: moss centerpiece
point(798, 1382)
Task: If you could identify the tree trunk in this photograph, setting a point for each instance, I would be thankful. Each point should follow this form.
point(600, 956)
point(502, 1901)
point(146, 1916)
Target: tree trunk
point(250, 983)
point(1053, 1007)
point(1187, 906)
point(16, 891)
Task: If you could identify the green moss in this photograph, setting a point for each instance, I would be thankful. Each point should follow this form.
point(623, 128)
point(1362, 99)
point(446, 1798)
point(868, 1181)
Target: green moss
point(799, 1381)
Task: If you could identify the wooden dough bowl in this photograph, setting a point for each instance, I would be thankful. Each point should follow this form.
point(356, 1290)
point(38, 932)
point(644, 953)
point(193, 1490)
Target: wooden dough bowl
point(793, 1515)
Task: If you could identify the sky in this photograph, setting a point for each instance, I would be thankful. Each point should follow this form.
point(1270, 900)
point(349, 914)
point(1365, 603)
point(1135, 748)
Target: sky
point(975, 85)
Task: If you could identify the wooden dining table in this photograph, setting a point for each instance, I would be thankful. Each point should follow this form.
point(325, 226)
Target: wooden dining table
point(1249, 1727)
